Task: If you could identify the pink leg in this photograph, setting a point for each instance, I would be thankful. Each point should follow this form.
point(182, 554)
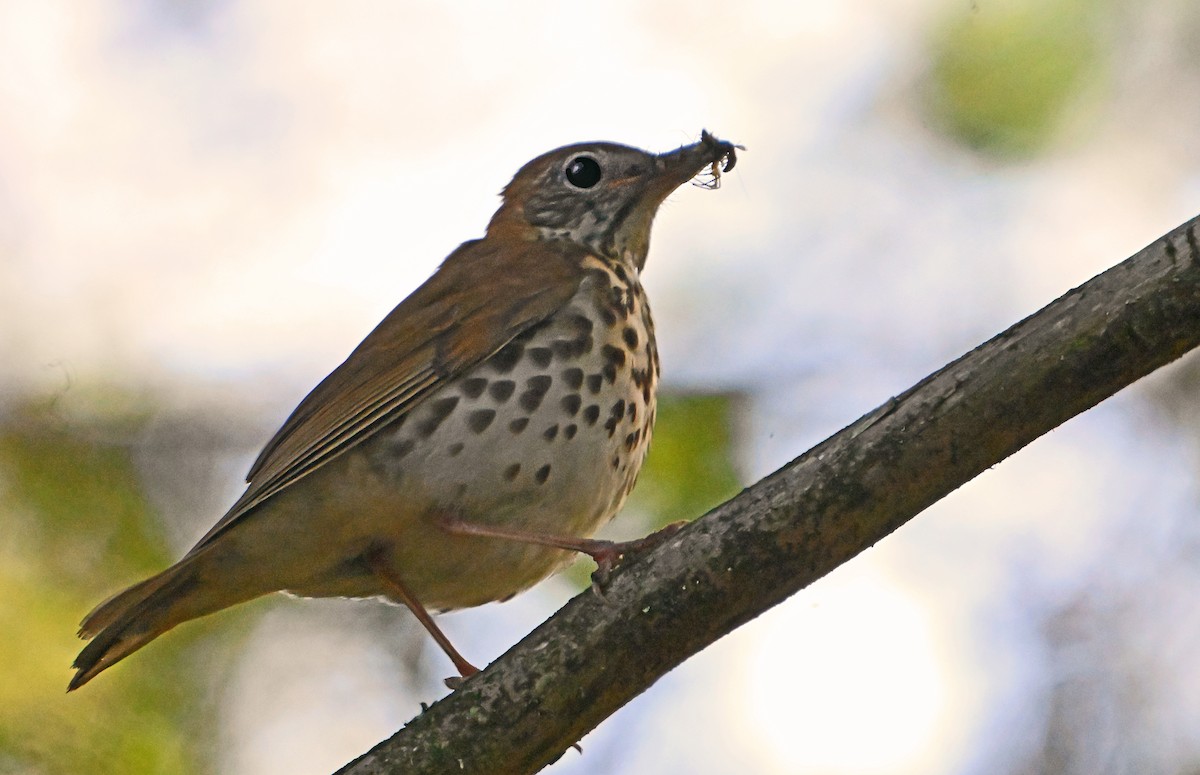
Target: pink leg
point(606, 554)
point(375, 561)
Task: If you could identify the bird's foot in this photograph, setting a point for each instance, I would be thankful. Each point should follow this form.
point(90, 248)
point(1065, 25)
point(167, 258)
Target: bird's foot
point(608, 554)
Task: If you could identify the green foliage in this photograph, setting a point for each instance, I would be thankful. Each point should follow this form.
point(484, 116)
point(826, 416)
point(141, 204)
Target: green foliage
point(74, 527)
point(1006, 72)
point(690, 466)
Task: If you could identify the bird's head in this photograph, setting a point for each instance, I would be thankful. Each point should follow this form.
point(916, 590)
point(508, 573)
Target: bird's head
point(602, 195)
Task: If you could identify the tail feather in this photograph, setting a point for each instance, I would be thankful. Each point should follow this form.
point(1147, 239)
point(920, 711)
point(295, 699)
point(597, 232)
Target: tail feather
point(129, 620)
point(117, 605)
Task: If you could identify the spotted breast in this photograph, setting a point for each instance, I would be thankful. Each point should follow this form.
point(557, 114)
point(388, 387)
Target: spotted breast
point(546, 435)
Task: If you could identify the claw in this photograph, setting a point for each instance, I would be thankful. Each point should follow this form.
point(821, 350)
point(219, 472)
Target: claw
point(608, 554)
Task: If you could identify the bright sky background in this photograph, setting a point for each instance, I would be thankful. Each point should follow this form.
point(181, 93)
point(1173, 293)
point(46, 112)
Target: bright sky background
point(222, 198)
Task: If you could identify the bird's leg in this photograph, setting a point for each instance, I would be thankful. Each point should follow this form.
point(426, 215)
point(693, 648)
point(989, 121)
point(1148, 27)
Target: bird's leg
point(606, 554)
point(376, 562)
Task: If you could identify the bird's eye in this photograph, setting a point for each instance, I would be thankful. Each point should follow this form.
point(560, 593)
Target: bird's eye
point(583, 172)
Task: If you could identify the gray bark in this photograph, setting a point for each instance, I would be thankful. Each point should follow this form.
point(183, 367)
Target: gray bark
point(806, 519)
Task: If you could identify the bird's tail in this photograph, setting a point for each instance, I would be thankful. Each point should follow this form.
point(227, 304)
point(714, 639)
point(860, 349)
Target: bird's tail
point(130, 619)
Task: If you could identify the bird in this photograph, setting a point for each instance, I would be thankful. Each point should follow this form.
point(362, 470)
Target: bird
point(475, 439)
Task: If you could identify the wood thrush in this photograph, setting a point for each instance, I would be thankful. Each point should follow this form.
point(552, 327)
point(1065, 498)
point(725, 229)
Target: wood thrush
point(495, 418)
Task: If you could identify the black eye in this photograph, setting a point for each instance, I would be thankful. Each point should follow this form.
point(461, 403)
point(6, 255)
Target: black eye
point(583, 172)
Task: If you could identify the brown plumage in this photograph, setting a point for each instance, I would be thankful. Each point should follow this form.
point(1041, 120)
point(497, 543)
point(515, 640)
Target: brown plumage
point(407, 472)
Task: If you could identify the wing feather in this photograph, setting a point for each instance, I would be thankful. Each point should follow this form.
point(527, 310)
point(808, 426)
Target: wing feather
point(444, 328)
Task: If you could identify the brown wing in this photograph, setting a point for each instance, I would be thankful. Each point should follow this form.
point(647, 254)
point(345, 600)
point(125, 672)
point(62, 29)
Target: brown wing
point(484, 294)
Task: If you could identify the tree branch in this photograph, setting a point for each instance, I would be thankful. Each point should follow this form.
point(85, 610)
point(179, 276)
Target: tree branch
point(806, 519)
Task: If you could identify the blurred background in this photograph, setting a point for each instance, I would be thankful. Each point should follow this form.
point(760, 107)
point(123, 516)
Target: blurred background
point(205, 205)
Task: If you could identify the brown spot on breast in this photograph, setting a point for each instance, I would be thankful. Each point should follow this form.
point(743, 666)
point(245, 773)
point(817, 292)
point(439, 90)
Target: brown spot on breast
point(582, 323)
point(511, 472)
point(594, 382)
point(573, 377)
point(570, 431)
point(591, 414)
point(502, 389)
point(480, 419)
point(438, 410)
point(540, 356)
point(542, 474)
point(615, 415)
point(614, 355)
point(518, 425)
point(631, 440)
point(629, 335)
point(507, 358)
point(535, 391)
point(571, 403)
point(473, 387)
point(570, 349)
point(551, 433)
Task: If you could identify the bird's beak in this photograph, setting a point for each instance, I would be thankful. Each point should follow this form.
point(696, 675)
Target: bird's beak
point(681, 165)
point(672, 170)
